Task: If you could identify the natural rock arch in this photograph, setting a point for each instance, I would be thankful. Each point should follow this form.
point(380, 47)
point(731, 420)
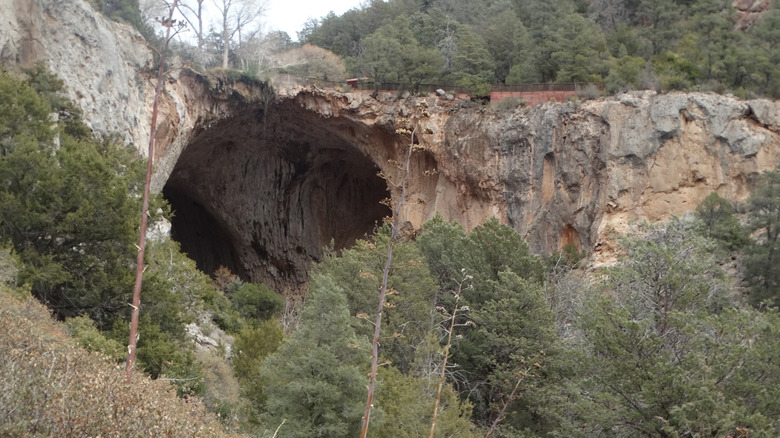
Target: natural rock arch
point(263, 191)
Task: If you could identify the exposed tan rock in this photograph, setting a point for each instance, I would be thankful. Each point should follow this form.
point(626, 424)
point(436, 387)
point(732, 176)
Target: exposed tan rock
point(558, 173)
point(749, 12)
point(640, 156)
point(262, 184)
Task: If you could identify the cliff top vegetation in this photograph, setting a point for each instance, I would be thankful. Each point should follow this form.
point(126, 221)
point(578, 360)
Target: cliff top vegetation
point(692, 45)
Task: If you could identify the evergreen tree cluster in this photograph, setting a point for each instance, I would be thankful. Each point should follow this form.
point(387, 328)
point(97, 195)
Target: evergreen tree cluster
point(69, 209)
point(626, 44)
point(663, 343)
point(70, 212)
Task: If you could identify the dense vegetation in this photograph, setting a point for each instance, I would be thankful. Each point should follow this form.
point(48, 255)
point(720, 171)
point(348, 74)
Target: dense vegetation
point(627, 44)
point(696, 45)
point(69, 214)
point(663, 343)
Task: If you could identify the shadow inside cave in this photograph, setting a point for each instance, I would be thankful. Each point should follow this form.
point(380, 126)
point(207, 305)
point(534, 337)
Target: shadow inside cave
point(262, 193)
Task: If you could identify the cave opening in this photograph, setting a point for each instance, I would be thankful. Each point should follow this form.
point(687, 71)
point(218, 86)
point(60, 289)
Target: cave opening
point(263, 195)
point(200, 235)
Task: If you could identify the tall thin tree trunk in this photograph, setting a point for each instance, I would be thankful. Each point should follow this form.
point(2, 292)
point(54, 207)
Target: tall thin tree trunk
point(200, 25)
point(225, 52)
point(225, 35)
point(394, 234)
point(134, 314)
point(444, 364)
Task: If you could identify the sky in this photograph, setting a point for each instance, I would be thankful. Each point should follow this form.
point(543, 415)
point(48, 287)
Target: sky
point(289, 15)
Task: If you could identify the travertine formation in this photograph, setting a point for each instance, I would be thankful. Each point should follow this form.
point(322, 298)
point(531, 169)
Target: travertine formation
point(261, 183)
point(105, 65)
point(576, 173)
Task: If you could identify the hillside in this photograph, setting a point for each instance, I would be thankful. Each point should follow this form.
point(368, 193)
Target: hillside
point(51, 386)
point(599, 267)
point(694, 45)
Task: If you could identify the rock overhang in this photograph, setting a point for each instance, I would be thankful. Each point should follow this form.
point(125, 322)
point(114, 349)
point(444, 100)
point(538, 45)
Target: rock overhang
point(559, 174)
point(264, 190)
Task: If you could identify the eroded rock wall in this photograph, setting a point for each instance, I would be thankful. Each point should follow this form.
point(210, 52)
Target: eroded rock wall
point(106, 65)
point(267, 185)
point(262, 184)
point(562, 173)
point(574, 174)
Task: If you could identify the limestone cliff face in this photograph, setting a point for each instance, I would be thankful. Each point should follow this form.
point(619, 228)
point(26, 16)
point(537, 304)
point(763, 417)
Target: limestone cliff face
point(574, 174)
point(261, 184)
point(104, 64)
point(266, 186)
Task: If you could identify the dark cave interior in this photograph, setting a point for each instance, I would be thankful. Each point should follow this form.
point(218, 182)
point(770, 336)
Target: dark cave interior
point(264, 192)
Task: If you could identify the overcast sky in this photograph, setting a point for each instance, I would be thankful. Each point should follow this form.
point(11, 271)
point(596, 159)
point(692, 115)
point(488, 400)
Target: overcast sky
point(289, 15)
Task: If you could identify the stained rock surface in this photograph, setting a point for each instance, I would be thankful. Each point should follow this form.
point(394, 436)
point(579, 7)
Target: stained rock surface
point(262, 181)
point(280, 181)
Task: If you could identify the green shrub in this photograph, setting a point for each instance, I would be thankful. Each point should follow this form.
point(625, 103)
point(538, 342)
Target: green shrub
point(255, 301)
point(474, 85)
point(510, 103)
point(717, 221)
point(674, 71)
point(624, 75)
point(252, 345)
point(222, 393)
point(84, 332)
point(222, 311)
point(159, 355)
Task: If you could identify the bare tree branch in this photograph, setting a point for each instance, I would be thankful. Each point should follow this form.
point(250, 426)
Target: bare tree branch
point(236, 16)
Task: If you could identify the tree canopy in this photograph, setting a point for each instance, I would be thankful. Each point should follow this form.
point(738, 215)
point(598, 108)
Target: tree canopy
point(679, 337)
point(635, 43)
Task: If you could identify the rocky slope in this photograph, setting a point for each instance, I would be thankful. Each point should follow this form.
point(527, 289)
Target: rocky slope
point(261, 184)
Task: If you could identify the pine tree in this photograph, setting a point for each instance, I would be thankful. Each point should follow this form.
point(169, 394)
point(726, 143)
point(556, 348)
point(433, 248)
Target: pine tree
point(664, 350)
point(763, 263)
point(407, 402)
point(510, 322)
point(412, 294)
point(580, 51)
point(316, 380)
point(719, 223)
